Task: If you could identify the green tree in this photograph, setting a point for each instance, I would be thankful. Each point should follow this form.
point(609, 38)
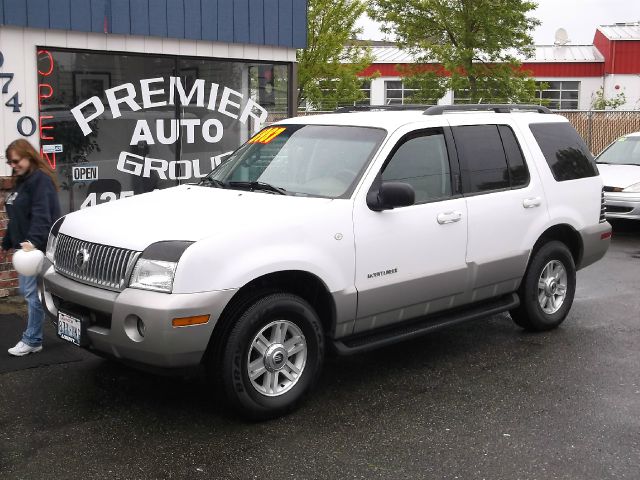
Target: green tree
point(475, 41)
point(427, 85)
point(600, 102)
point(328, 67)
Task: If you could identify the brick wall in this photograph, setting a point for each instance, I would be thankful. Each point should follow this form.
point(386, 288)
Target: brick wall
point(8, 277)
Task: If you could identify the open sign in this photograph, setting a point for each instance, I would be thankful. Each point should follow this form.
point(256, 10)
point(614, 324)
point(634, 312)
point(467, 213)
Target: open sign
point(85, 173)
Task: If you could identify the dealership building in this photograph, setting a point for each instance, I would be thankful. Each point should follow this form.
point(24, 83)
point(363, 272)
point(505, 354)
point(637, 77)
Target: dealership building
point(126, 96)
point(572, 73)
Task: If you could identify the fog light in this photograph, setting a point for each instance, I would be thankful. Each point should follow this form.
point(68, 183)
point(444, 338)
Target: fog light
point(134, 327)
point(140, 327)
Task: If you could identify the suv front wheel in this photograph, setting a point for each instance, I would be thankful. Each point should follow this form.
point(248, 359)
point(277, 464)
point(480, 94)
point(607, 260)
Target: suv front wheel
point(547, 289)
point(272, 356)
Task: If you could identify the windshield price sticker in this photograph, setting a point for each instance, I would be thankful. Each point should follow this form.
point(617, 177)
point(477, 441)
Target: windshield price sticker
point(267, 135)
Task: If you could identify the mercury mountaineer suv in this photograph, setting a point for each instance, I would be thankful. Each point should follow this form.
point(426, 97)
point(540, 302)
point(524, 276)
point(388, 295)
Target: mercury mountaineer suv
point(346, 231)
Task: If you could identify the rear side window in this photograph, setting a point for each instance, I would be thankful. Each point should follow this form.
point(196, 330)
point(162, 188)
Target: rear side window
point(565, 151)
point(483, 163)
point(518, 172)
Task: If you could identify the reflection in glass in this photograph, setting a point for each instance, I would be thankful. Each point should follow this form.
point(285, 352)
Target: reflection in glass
point(160, 129)
point(308, 160)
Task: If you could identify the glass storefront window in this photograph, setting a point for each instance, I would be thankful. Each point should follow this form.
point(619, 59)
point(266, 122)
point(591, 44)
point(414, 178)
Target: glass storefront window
point(129, 124)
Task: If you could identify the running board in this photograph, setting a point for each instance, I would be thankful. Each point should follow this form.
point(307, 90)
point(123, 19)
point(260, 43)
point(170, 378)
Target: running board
point(387, 336)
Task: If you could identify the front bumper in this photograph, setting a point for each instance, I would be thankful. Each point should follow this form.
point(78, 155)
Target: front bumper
point(622, 205)
point(112, 317)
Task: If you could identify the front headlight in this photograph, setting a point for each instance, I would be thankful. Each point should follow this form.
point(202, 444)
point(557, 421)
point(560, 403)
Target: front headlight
point(156, 267)
point(635, 188)
point(52, 243)
point(153, 275)
point(52, 240)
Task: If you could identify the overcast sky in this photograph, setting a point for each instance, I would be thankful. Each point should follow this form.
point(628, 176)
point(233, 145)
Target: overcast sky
point(578, 17)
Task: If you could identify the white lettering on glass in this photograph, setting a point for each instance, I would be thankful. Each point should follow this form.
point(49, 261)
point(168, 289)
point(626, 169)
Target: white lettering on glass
point(206, 130)
point(114, 102)
point(147, 93)
point(167, 131)
point(175, 83)
point(144, 166)
point(83, 121)
point(143, 133)
point(232, 103)
point(226, 101)
point(160, 132)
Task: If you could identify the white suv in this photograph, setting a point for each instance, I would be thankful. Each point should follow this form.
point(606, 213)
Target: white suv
point(347, 231)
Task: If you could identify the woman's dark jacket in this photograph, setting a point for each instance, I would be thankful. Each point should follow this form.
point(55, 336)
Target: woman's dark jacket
point(32, 208)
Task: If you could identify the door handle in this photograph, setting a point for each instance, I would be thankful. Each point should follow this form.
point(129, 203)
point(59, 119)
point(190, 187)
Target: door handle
point(448, 217)
point(532, 202)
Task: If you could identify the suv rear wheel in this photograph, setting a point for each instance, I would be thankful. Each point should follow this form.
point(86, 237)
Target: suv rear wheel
point(547, 290)
point(272, 356)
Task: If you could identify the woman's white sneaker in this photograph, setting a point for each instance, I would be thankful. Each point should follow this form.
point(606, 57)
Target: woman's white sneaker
point(22, 349)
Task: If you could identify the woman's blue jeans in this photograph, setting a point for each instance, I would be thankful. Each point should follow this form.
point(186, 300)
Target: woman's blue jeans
point(28, 286)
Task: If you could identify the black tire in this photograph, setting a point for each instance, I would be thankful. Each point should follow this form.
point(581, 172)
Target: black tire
point(273, 311)
point(531, 314)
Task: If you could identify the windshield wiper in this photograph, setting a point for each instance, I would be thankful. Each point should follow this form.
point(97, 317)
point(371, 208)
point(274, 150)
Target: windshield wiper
point(252, 186)
point(213, 182)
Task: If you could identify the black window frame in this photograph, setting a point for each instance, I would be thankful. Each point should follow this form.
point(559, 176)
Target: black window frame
point(509, 159)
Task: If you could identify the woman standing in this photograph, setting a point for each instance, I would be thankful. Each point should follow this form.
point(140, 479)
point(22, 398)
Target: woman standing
point(32, 208)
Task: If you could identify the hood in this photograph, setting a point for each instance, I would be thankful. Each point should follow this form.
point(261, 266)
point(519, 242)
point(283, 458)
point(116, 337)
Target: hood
point(187, 212)
point(620, 176)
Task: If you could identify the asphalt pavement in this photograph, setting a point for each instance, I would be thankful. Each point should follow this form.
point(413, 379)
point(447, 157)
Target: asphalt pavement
point(478, 401)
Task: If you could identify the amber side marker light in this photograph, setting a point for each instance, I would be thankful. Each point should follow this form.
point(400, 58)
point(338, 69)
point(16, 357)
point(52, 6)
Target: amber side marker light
point(188, 321)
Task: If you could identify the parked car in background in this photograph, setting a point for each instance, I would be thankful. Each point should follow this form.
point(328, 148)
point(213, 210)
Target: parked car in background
point(619, 166)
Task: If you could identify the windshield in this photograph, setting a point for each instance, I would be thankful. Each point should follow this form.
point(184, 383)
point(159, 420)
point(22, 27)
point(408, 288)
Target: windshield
point(624, 151)
point(309, 160)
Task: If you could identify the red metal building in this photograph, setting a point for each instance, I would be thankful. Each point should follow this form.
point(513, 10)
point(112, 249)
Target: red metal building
point(573, 73)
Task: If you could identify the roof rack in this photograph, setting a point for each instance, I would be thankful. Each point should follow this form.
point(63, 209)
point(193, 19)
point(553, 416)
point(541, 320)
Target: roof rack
point(380, 108)
point(487, 107)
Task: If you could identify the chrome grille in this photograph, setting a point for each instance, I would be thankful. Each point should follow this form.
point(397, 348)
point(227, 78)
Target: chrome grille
point(603, 208)
point(94, 264)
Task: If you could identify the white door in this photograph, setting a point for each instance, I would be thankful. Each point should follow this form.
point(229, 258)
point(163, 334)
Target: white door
point(505, 203)
point(410, 261)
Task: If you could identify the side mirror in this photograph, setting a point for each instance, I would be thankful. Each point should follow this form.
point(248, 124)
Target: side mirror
point(389, 195)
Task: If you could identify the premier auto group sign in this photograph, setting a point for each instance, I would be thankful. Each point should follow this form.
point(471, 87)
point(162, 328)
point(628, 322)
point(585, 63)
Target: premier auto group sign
point(151, 93)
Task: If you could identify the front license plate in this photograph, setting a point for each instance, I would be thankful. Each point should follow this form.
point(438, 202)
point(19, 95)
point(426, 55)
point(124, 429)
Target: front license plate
point(69, 328)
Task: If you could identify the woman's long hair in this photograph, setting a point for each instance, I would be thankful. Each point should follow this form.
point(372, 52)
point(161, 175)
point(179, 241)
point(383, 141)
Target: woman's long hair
point(23, 149)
